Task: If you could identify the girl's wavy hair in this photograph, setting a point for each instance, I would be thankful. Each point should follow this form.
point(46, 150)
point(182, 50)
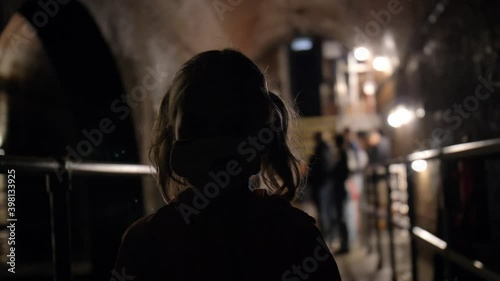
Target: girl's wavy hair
point(230, 76)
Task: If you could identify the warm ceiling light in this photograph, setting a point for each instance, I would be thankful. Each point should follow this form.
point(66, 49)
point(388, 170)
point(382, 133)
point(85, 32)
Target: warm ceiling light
point(419, 166)
point(361, 53)
point(381, 64)
point(399, 117)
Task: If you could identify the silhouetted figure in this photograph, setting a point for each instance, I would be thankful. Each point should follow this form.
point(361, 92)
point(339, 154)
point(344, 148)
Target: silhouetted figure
point(321, 182)
point(356, 154)
point(384, 150)
point(217, 125)
point(340, 175)
point(351, 143)
point(380, 147)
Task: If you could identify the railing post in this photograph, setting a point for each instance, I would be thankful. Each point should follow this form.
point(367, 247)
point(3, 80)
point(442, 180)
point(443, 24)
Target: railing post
point(373, 210)
point(390, 226)
point(411, 215)
point(375, 180)
point(59, 191)
point(368, 214)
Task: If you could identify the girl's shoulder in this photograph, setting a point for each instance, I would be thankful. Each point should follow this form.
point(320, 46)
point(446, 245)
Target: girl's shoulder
point(274, 207)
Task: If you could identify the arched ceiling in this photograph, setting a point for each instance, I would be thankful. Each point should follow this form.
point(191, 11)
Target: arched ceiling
point(163, 34)
point(144, 33)
point(168, 32)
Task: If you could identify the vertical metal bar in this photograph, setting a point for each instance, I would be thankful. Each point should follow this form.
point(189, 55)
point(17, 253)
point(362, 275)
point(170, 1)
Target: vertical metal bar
point(390, 225)
point(59, 190)
point(375, 179)
point(372, 214)
point(411, 216)
point(443, 218)
point(367, 214)
point(365, 203)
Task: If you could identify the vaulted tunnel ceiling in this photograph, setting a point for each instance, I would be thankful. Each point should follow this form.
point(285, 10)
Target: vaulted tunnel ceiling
point(164, 34)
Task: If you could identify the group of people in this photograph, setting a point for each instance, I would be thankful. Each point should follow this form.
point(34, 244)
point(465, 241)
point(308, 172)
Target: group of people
point(329, 169)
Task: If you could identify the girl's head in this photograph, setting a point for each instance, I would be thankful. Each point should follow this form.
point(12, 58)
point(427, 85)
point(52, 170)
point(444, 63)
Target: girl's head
point(224, 95)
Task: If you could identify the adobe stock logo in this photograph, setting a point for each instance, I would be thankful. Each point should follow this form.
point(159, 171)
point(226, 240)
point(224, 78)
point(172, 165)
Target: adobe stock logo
point(49, 10)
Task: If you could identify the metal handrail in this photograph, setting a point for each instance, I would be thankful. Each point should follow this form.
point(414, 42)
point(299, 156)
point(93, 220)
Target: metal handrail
point(442, 248)
point(465, 150)
point(459, 150)
point(58, 186)
point(45, 165)
point(116, 169)
point(30, 164)
point(48, 165)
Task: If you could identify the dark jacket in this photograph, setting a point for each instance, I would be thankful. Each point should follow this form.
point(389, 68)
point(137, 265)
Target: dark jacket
point(320, 165)
point(340, 175)
point(239, 235)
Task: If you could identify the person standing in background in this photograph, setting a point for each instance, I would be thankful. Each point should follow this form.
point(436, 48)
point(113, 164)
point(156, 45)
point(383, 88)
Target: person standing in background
point(357, 161)
point(356, 155)
point(321, 181)
point(351, 143)
point(340, 175)
point(380, 147)
point(384, 149)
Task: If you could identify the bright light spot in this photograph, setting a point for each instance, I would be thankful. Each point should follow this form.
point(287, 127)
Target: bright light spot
point(361, 53)
point(404, 209)
point(399, 117)
point(420, 113)
point(369, 88)
point(478, 264)
point(381, 64)
point(419, 166)
point(429, 237)
point(2, 152)
point(302, 44)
